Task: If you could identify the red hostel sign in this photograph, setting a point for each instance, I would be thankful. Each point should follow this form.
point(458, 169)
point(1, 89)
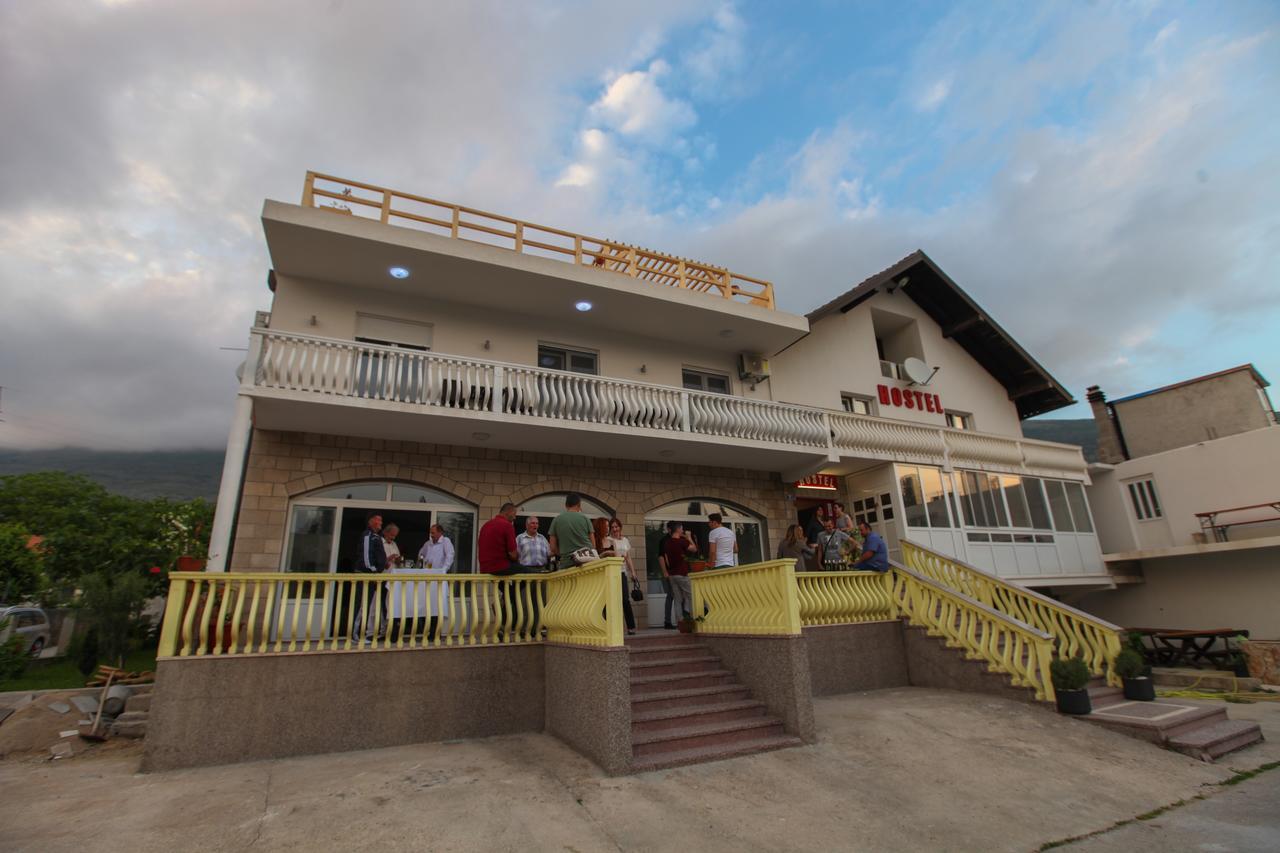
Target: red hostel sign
point(908, 398)
point(819, 481)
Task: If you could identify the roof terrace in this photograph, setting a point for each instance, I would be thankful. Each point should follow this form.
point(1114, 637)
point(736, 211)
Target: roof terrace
point(355, 198)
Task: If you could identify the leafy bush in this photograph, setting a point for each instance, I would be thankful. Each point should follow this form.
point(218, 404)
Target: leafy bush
point(1129, 664)
point(1070, 674)
point(13, 657)
point(21, 568)
point(114, 603)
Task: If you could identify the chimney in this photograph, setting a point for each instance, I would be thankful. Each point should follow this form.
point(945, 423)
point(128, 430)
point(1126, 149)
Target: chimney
point(1110, 447)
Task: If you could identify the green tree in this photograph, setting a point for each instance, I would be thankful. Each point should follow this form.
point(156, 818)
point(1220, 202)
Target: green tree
point(114, 604)
point(21, 568)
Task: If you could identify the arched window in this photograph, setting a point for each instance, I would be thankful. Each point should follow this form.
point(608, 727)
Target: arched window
point(325, 525)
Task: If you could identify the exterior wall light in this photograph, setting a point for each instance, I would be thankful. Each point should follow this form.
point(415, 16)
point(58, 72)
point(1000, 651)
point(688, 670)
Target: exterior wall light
point(398, 272)
point(583, 305)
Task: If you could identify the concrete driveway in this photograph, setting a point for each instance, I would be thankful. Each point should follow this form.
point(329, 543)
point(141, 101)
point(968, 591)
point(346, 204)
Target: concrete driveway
point(904, 769)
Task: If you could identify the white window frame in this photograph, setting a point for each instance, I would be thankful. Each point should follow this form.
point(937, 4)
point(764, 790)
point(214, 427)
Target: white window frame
point(703, 375)
point(850, 403)
point(1143, 499)
point(965, 418)
point(568, 352)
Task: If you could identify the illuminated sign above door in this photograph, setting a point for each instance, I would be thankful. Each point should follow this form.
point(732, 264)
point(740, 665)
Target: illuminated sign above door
point(827, 482)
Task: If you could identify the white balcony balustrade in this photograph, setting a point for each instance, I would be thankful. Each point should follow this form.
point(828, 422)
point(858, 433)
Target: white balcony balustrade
point(415, 380)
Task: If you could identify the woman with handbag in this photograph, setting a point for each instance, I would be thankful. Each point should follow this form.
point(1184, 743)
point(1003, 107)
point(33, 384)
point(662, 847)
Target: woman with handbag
point(617, 545)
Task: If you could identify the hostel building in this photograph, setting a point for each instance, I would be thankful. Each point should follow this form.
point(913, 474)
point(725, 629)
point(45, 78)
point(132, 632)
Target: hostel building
point(434, 361)
point(431, 362)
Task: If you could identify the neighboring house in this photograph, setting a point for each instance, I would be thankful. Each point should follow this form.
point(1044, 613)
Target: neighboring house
point(432, 362)
point(1187, 498)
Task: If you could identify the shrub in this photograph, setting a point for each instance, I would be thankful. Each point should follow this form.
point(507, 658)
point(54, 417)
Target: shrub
point(13, 658)
point(1070, 674)
point(1129, 664)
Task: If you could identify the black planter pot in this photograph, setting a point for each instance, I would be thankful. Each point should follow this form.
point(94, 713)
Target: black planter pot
point(1073, 701)
point(1139, 689)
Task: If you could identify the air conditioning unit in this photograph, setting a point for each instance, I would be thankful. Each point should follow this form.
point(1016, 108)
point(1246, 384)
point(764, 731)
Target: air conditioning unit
point(753, 367)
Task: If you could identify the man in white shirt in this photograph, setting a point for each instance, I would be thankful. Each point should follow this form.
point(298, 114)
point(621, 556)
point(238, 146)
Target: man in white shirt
point(389, 546)
point(437, 551)
point(722, 543)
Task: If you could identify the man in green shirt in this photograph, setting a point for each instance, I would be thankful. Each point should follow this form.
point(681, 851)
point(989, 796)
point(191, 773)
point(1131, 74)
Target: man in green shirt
point(570, 531)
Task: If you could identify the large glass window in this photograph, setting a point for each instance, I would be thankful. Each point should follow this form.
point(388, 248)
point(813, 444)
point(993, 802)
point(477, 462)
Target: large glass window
point(1033, 490)
point(1058, 504)
point(993, 499)
point(1019, 515)
point(913, 508)
point(935, 502)
point(311, 539)
point(1146, 506)
point(1079, 508)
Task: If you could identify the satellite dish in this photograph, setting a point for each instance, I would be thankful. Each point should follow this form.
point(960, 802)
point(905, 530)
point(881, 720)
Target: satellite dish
point(917, 371)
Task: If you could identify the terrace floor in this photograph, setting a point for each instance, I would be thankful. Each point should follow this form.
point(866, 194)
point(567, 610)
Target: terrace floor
point(901, 769)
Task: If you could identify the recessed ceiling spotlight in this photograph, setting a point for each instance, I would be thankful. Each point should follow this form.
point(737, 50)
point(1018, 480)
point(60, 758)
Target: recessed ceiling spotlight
point(667, 453)
point(726, 333)
point(398, 272)
point(480, 436)
point(584, 305)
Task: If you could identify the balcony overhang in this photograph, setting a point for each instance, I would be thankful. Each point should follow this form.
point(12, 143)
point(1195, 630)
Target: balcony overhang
point(297, 411)
point(321, 245)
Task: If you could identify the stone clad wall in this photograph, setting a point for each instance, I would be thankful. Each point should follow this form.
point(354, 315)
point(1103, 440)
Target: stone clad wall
point(283, 465)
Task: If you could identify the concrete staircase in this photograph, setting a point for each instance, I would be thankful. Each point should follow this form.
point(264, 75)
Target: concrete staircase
point(687, 708)
point(133, 722)
point(1201, 731)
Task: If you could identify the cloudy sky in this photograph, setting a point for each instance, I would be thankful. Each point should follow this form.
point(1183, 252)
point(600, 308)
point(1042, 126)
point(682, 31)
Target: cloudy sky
point(1103, 177)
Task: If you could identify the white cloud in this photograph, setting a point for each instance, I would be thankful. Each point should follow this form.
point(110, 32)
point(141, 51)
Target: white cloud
point(635, 105)
point(932, 97)
point(719, 54)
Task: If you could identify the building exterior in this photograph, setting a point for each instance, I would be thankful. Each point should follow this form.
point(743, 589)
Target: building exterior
point(1187, 504)
point(433, 361)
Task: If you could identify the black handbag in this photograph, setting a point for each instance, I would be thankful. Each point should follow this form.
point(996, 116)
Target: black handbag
point(637, 594)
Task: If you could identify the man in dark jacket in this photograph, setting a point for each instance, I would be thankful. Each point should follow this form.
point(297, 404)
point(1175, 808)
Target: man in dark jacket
point(371, 603)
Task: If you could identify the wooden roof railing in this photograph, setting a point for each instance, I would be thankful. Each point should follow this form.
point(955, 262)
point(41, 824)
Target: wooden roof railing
point(466, 223)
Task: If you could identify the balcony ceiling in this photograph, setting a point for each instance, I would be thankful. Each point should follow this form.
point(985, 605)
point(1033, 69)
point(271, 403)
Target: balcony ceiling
point(316, 244)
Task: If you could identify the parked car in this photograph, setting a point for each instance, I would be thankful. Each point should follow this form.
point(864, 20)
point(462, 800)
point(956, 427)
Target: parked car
point(30, 623)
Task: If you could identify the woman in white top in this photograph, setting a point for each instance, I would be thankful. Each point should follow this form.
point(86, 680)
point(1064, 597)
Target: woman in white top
point(617, 545)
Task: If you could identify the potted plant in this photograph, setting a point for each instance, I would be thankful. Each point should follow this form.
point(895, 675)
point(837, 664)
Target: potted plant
point(1138, 685)
point(688, 624)
point(1069, 679)
point(1239, 662)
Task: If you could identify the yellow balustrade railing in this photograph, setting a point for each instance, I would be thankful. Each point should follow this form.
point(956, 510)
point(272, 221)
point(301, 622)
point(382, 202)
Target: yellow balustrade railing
point(240, 613)
point(584, 605)
point(841, 598)
point(1075, 633)
point(340, 195)
point(759, 599)
point(1007, 645)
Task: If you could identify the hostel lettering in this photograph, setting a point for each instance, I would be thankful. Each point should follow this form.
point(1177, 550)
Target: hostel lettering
point(909, 398)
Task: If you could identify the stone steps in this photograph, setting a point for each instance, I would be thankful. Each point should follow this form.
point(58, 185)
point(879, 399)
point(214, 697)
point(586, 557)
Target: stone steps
point(686, 708)
point(1201, 731)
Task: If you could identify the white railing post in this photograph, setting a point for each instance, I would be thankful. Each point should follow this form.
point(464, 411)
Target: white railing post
point(499, 380)
point(828, 434)
point(686, 423)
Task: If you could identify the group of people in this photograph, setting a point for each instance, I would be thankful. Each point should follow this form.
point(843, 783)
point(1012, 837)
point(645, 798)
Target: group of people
point(380, 553)
point(569, 542)
point(673, 561)
point(833, 542)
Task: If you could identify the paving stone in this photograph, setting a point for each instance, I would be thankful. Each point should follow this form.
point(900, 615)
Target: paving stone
point(86, 704)
point(60, 707)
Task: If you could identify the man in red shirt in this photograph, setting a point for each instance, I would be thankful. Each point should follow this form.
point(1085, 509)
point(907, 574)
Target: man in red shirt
point(497, 550)
point(496, 544)
point(679, 543)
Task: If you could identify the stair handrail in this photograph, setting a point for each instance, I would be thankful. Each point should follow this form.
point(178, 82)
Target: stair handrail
point(1075, 632)
point(758, 599)
point(1007, 645)
point(844, 598)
